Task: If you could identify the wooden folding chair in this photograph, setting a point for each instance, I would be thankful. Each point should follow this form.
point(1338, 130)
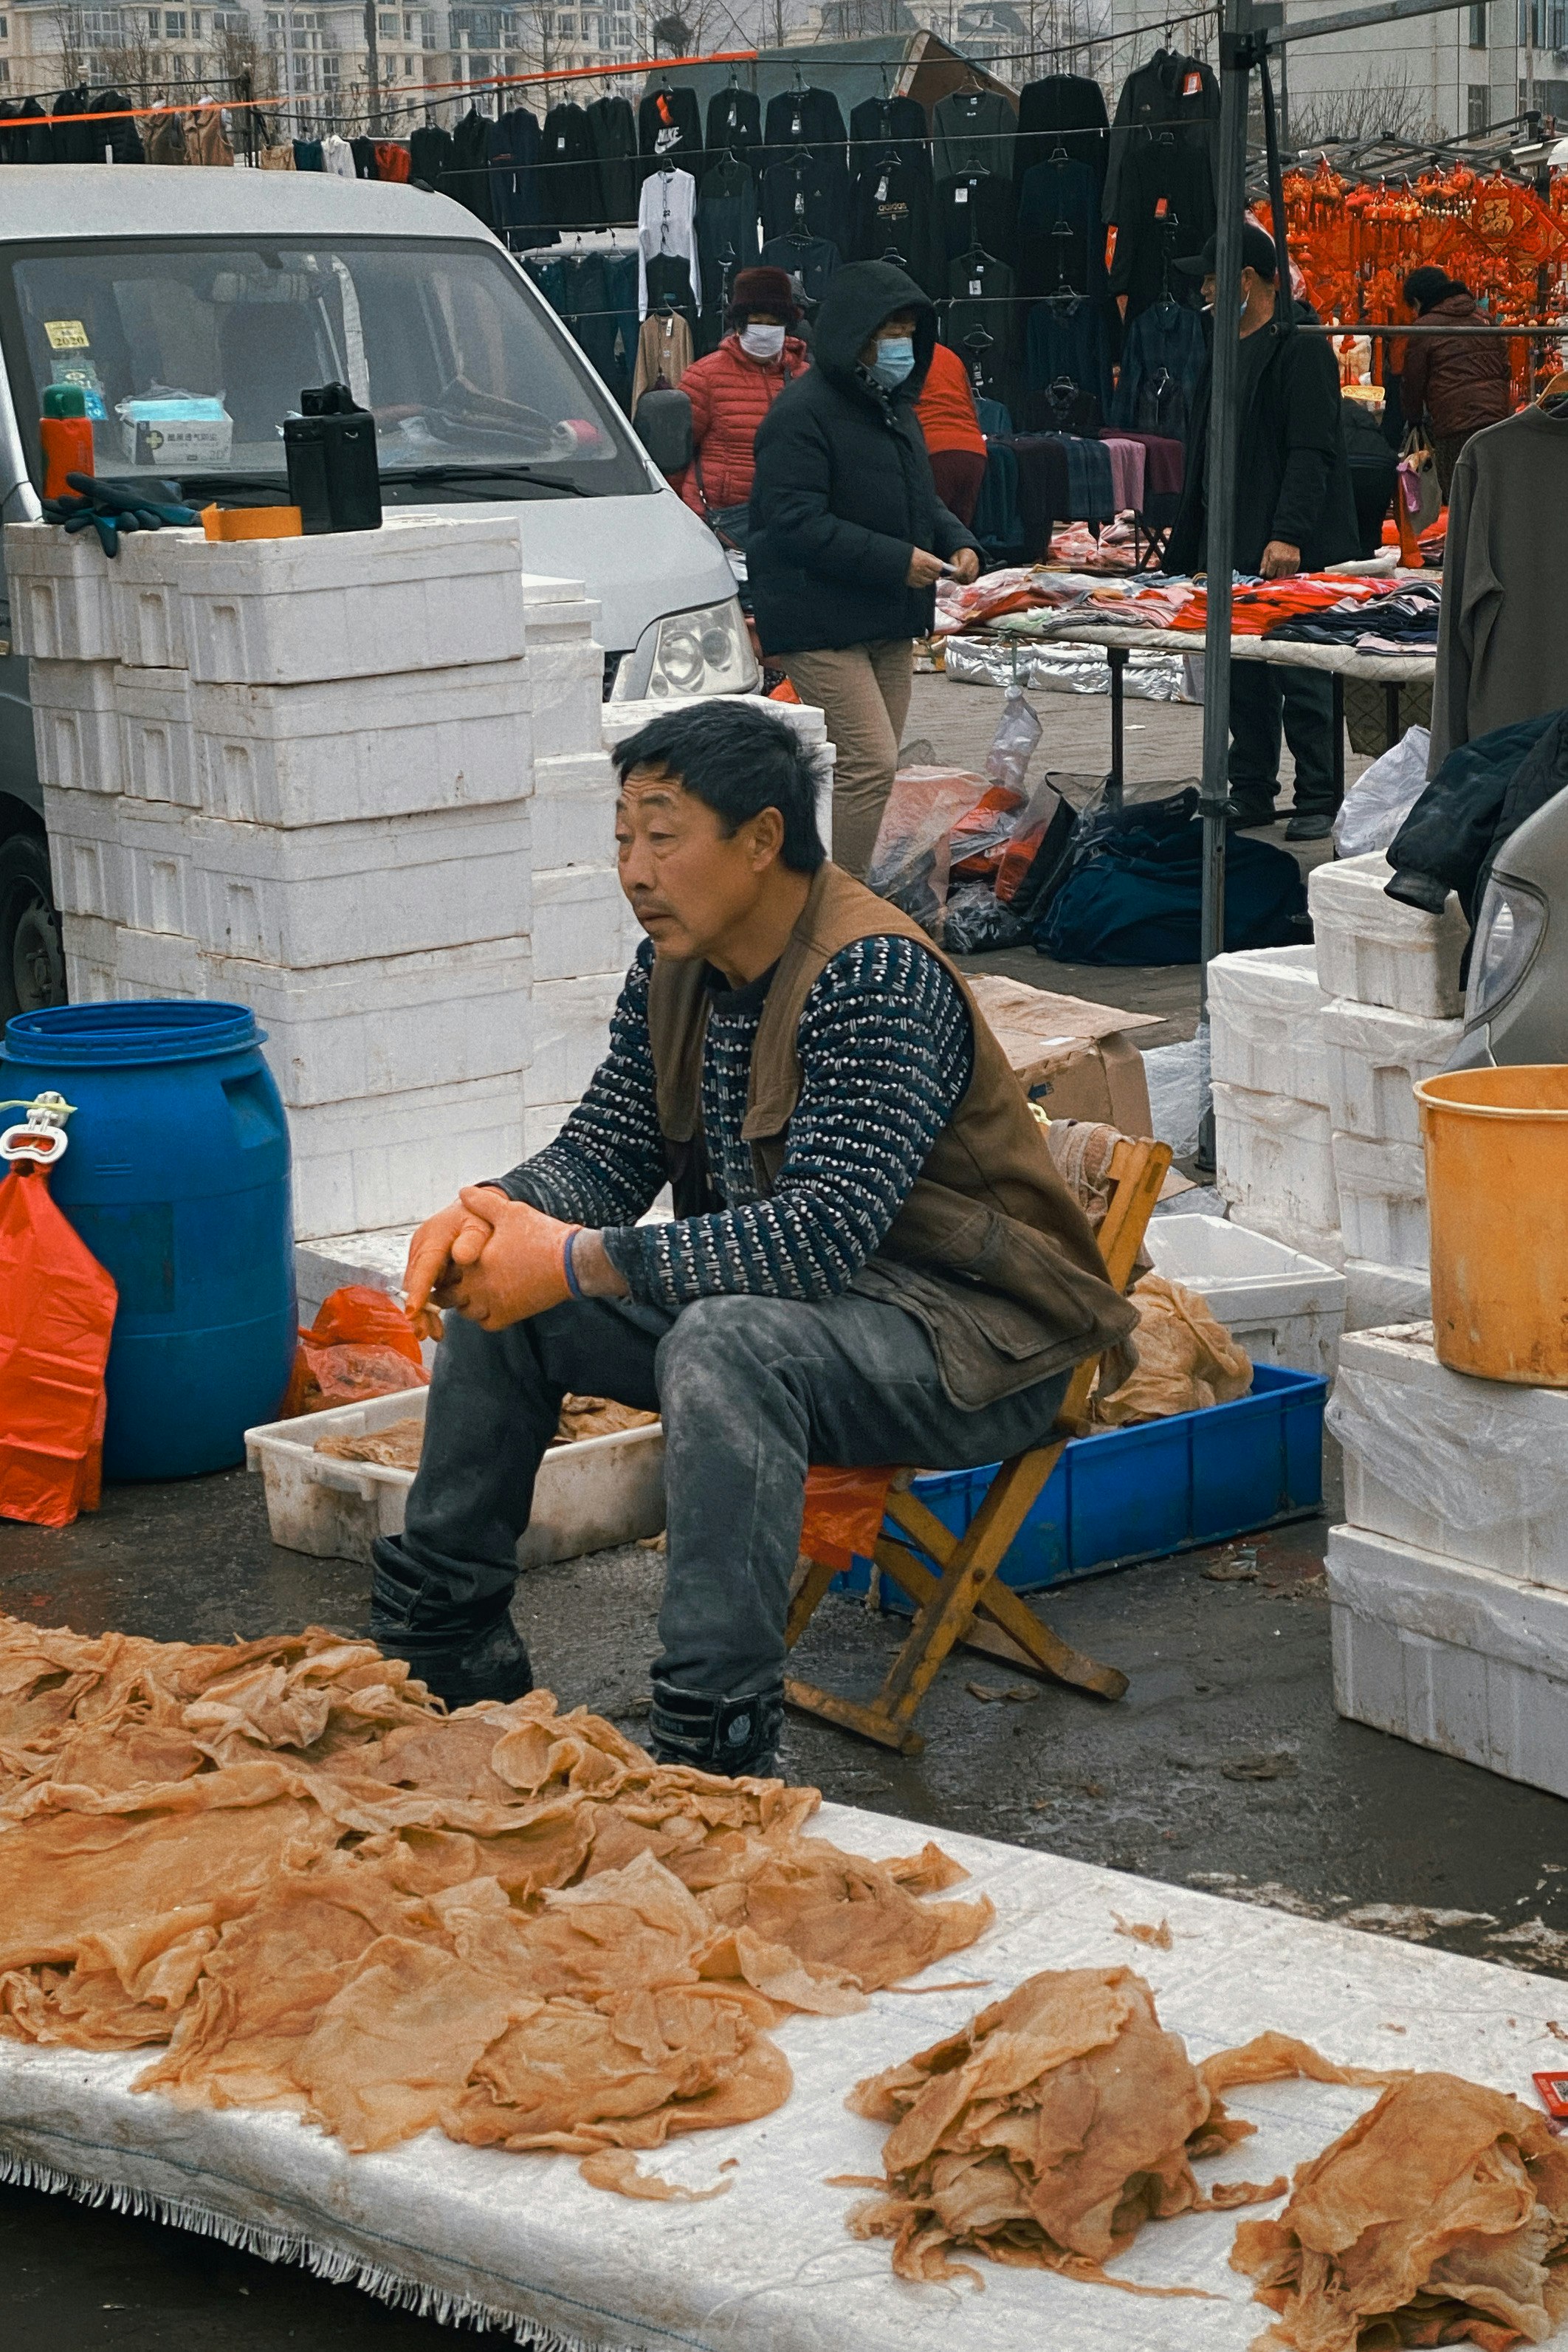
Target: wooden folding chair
point(966, 1586)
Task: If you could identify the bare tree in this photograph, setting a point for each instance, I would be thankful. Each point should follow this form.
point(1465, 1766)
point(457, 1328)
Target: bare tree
point(70, 45)
point(1390, 106)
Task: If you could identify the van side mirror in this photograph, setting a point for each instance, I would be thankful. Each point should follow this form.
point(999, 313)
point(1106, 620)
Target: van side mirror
point(663, 426)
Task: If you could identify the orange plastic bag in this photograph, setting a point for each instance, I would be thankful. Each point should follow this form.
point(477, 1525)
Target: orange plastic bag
point(843, 1513)
point(56, 1311)
point(361, 1344)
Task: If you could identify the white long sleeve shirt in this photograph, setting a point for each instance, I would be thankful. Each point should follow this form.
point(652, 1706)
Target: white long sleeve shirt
point(667, 223)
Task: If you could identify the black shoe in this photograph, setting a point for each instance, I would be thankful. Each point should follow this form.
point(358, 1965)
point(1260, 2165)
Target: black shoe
point(492, 1664)
point(730, 1736)
point(1311, 825)
point(1246, 812)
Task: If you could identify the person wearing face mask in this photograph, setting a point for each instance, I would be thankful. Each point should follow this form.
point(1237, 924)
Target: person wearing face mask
point(1295, 511)
point(732, 390)
point(848, 535)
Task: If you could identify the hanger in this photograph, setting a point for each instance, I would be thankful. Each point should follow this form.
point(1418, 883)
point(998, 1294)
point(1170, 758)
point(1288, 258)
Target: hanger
point(799, 83)
point(1552, 397)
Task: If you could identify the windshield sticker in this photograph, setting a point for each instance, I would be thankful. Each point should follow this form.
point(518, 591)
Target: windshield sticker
point(66, 335)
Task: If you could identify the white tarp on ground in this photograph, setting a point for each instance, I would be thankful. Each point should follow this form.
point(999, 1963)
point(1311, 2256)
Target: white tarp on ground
point(770, 2268)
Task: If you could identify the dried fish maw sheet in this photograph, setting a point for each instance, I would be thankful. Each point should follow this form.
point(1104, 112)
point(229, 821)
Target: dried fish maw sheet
point(834, 1911)
point(1045, 2132)
point(274, 1971)
point(396, 2042)
point(1440, 2217)
point(630, 2072)
point(70, 1873)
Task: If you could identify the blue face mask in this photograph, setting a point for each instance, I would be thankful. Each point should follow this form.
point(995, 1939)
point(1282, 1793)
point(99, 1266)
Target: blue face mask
point(895, 360)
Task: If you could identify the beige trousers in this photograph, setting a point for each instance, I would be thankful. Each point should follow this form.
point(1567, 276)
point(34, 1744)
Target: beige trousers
point(865, 692)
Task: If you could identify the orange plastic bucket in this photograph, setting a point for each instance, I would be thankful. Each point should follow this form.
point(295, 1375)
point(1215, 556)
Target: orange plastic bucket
point(1497, 1194)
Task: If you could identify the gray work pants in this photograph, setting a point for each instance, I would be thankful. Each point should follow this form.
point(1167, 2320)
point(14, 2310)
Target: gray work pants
point(752, 1391)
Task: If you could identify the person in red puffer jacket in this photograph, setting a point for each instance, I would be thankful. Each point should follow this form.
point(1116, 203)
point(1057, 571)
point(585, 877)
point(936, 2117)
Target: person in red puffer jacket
point(734, 388)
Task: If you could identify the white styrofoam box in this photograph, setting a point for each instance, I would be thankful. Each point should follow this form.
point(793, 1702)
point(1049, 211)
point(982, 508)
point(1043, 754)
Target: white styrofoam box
point(1275, 1159)
point(1456, 1658)
point(396, 1159)
point(385, 1025)
point(336, 749)
point(1324, 1244)
point(1488, 1451)
point(326, 894)
point(569, 1033)
point(1374, 1058)
point(1280, 1306)
point(144, 587)
point(423, 593)
point(154, 708)
point(587, 1496)
point(1376, 1295)
point(558, 610)
point(375, 1261)
point(61, 609)
point(542, 1123)
point(566, 688)
point(1265, 1009)
point(803, 718)
point(578, 922)
point(76, 730)
point(574, 810)
point(1374, 950)
point(1383, 1201)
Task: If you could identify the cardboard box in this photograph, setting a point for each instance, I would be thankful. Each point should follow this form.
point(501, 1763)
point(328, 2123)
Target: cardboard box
point(1074, 1059)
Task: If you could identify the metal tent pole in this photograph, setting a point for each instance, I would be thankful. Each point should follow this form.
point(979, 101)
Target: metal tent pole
point(1219, 489)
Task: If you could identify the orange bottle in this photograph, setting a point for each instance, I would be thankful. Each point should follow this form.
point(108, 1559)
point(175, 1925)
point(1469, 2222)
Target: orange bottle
point(65, 433)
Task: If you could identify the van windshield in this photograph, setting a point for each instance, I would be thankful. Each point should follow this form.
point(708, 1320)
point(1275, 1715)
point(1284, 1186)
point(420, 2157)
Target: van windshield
point(190, 352)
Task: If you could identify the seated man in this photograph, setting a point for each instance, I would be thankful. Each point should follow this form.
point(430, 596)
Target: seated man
point(872, 1258)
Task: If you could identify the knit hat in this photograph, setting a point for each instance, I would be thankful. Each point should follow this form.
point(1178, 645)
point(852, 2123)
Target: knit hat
point(763, 289)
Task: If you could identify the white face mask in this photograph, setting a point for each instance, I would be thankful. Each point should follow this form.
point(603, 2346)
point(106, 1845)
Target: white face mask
point(763, 343)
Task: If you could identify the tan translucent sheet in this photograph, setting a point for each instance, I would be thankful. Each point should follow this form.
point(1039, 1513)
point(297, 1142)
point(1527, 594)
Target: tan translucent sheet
point(324, 1895)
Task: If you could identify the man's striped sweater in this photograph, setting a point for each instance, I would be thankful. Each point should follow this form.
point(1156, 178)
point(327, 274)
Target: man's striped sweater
point(885, 1055)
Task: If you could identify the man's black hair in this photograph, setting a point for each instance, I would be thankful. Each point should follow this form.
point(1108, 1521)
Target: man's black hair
point(738, 759)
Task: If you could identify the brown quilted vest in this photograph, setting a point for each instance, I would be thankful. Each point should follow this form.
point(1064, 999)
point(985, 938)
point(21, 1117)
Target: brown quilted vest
point(990, 1251)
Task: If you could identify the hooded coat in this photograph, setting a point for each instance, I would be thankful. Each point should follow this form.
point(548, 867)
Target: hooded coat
point(1461, 381)
point(843, 493)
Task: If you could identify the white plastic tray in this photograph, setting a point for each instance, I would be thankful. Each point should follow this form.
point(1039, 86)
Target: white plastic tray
point(587, 1496)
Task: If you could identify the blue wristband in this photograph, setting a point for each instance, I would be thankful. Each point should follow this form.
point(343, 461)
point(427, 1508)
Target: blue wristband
point(572, 1284)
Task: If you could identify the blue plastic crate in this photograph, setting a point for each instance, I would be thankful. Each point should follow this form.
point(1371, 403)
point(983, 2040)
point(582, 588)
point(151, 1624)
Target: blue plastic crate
point(1163, 1487)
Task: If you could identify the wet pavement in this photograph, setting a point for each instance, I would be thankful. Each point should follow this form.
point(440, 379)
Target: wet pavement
point(1225, 1767)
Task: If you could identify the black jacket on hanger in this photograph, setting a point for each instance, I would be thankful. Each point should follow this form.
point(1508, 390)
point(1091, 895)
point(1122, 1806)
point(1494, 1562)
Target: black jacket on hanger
point(669, 129)
point(122, 138)
point(429, 154)
point(1065, 106)
point(810, 193)
point(613, 131)
point(900, 122)
point(75, 142)
point(467, 172)
point(1166, 213)
point(25, 133)
point(1173, 93)
point(1062, 238)
point(981, 306)
point(977, 208)
point(735, 125)
point(519, 189)
point(569, 168)
point(973, 130)
point(726, 238)
point(890, 217)
point(803, 118)
point(810, 260)
point(363, 153)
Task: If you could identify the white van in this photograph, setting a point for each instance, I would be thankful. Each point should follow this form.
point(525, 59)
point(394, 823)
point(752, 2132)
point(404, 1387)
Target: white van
point(222, 295)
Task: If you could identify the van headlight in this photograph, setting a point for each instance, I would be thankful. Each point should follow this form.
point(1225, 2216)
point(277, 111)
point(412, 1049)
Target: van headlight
point(1509, 932)
point(704, 652)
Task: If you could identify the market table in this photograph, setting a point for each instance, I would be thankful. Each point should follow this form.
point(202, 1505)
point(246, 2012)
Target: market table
point(468, 2232)
point(1391, 671)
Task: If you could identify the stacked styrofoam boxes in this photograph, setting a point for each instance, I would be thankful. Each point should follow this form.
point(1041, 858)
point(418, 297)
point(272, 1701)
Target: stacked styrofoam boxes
point(297, 774)
point(1274, 1155)
point(1392, 975)
point(1449, 1584)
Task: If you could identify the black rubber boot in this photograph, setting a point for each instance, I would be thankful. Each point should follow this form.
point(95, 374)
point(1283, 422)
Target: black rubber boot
point(1248, 812)
point(465, 1658)
point(1309, 824)
point(730, 1736)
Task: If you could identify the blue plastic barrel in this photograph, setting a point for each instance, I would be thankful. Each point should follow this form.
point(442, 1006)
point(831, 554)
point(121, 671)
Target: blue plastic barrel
point(176, 1178)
